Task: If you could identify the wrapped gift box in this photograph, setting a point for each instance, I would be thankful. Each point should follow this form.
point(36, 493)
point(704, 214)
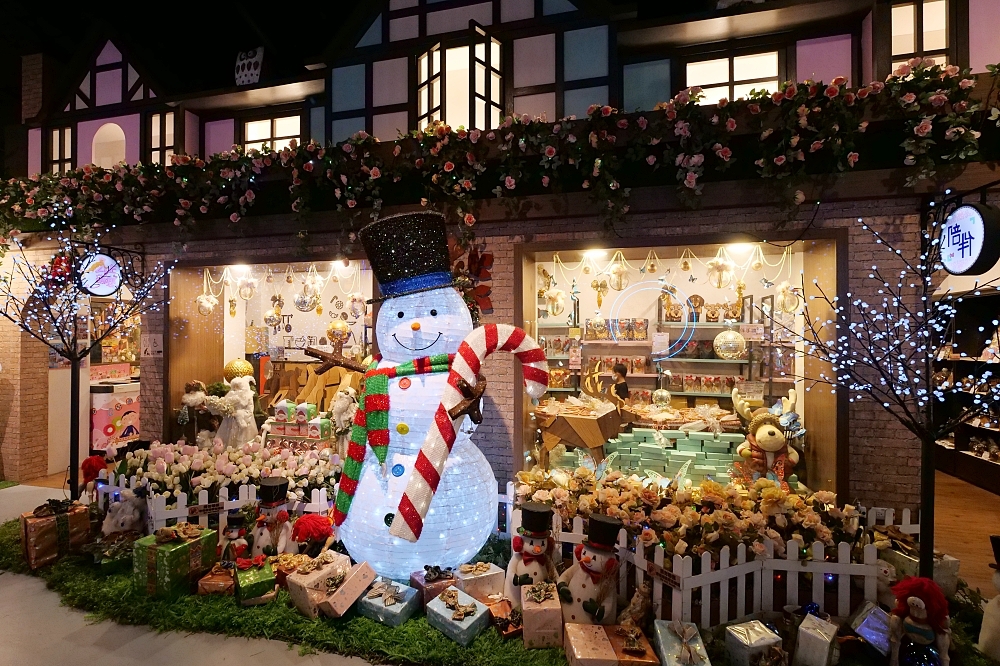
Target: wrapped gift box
point(309, 589)
point(872, 624)
point(284, 411)
point(286, 563)
point(304, 413)
point(217, 581)
point(507, 622)
point(319, 428)
point(481, 585)
point(62, 530)
point(429, 591)
point(815, 643)
point(278, 427)
point(672, 648)
point(462, 631)
point(945, 569)
point(255, 582)
point(603, 645)
point(292, 430)
point(171, 569)
point(408, 603)
point(359, 579)
point(747, 640)
point(631, 658)
point(543, 622)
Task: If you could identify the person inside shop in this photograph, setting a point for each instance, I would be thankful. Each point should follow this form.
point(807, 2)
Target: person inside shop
point(619, 388)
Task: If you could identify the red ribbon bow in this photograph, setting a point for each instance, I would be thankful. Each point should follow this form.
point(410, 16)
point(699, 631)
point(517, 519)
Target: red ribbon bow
point(243, 563)
point(529, 558)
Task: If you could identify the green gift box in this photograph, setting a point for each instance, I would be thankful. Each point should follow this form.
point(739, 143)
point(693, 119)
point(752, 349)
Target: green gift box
point(170, 569)
point(254, 582)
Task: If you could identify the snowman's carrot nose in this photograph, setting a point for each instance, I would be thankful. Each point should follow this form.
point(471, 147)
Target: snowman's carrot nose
point(415, 326)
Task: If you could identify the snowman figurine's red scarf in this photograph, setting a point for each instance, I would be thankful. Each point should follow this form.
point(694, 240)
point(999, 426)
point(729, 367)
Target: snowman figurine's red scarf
point(371, 422)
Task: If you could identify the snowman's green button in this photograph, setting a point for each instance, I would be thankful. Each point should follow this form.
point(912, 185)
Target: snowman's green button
point(402, 428)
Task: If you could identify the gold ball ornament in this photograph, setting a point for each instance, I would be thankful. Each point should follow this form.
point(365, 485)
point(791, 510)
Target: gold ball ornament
point(206, 304)
point(730, 345)
point(238, 367)
point(685, 264)
point(272, 317)
point(756, 265)
point(661, 397)
point(338, 329)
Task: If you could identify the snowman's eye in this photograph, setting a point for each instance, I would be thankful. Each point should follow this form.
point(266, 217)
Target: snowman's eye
point(399, 314)
point(434, 313)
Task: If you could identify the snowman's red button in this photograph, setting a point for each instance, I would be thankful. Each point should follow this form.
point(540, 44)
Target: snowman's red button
point(404, 383)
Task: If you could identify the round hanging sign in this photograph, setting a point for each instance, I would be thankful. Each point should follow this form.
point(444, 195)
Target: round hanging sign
point(970, 239)
point(100, 275)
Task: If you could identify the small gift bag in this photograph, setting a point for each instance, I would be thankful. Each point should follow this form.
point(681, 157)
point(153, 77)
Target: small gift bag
point(432, 581)
point(340, 598)
point(541, 614)
point(871, 623)
point(679, 643)
point(390, 603)
point(744, 642)
point(480, 580)
point(52, 530)
point(815, 645)
point(307, 586)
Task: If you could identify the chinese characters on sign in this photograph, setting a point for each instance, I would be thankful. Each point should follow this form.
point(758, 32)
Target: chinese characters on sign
point(962, 239)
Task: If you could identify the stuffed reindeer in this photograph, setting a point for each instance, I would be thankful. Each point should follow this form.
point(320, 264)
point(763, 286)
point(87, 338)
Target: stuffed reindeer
point(766, 448)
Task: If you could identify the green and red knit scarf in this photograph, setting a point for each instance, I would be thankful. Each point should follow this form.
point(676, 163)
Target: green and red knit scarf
point(371, 422)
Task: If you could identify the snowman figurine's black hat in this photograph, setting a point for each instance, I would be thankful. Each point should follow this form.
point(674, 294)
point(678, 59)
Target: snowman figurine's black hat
point(408, 253)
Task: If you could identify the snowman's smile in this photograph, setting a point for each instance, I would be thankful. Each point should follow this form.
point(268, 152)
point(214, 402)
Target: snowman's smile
point(417, 348)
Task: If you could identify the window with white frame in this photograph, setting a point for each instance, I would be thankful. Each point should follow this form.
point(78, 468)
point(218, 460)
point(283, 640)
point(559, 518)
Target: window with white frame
point(920, 29)
point(734, 77)
point(271, 133)
point(461, 85)
point(161, 137)
point(61, 150)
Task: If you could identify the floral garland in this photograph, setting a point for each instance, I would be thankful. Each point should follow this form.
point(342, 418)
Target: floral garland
point(807, 127)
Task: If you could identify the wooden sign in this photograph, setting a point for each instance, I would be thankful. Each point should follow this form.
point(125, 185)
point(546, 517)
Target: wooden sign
point(668, 578)
point(202, 509)
point(752, 332)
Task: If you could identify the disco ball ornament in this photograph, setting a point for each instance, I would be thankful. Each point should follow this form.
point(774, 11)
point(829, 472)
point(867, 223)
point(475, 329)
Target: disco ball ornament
point(238, 367)
point(661, 397)
point(272, 317)
point(206, 304)
point(730, 345)
point(338, 330)
point(306, 302)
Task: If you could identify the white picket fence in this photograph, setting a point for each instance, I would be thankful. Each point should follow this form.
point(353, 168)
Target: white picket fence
point(882, 516)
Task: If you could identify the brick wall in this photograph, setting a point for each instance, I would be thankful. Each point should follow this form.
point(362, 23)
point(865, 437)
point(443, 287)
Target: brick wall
point(31, 85)
point(884, 457)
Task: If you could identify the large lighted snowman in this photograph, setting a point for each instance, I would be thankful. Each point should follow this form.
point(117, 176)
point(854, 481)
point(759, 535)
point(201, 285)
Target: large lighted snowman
point(422, 316)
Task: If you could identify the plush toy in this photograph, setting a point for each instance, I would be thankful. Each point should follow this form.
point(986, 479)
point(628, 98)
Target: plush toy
point(766, 447)
point(232, 543)
point(989, 635)
point(345, 404)
point(91, 469)
point(919, 628)
point(273, 533)
point(313, 533)
point(587, 589)
point(126, 515)
point(532, 560)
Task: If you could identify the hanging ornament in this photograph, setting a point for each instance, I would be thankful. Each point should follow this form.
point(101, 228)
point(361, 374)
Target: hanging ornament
point(289, 275)
point(757, 259)
point(319, 309)
point(618, 276)
point(685, 261)
point(272, 318)
point(269, 276)
point(586, 269)
point(232, 307)
point(720, 272)
point(338, 333)
point(358, 306)
point(305, 302)
point(278, 301)
point(206, 304)
point(247, 288)
point(787, 300)
point(730, 344)
point(601, 287)
point(555, 301)
point(661, 397)
point(651, 268)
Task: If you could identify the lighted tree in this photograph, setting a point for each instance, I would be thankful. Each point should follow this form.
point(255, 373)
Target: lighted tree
point(881, 342)
point(49, 298)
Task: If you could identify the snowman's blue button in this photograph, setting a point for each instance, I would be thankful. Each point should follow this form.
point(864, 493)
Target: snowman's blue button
point(397, 470)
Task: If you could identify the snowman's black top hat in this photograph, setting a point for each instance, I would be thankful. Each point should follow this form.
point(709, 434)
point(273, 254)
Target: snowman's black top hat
point(408, 253)
point(536, 520)
point(602, 532)
point(273, 492)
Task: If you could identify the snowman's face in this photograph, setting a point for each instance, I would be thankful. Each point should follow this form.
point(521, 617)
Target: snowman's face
point(596, 559)
point(535, 545)
point(422, 324)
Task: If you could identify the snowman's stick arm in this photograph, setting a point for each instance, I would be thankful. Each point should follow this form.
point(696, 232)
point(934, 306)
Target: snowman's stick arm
point(471, 397)
point(331, 361)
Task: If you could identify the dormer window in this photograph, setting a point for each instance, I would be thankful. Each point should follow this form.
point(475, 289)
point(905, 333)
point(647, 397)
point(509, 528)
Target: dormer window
point(920, 29)
point(461, 85)
point(161, 137)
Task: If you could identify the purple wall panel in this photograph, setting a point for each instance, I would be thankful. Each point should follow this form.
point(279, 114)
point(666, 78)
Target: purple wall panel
point(824, 58)
point(34, 150)
point(390, 77)
point(984, 41)
point(85, 132)
point(219, 136)
point(450, 20)
point(109, 87)
point(535, 61)
point(867, 71)
point(191, 128)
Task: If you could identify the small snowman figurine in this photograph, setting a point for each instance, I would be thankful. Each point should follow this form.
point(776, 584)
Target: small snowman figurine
point(273, 532)
point(532, 559)
point(587, 589)
point(231, 543)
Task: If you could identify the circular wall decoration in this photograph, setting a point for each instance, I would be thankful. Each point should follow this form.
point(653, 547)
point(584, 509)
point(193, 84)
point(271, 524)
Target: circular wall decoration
point(964, 250)
point(100, 275)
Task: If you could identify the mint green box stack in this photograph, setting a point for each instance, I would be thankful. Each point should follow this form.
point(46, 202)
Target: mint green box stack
point(709, 454)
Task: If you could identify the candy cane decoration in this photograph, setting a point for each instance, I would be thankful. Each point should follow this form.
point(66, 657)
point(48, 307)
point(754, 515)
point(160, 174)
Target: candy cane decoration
point(429, 466)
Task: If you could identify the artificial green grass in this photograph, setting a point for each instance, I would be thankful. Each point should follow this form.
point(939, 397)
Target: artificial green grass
point(7, 484)
point(79, 584)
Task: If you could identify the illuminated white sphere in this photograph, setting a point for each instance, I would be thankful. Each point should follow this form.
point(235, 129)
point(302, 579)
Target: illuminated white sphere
point(463, 510)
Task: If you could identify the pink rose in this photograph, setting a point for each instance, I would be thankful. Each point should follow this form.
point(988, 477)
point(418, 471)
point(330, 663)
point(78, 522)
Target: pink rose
point(723, 102)
point(951, 70)
point(961, 107)
point(779, 160)
point(545, 181)
point(753, 108)
point(235, 217)
point(697, 159)
point(679, 160)
point(622, 124)
point(791, 91)
point(965, 84)
point(376, 173)
point(852, 159)
point(550, 151)
point(606, 111)
point(908, 98)
point(682, 98)
point(724, 153)
point(682, 129)
point(449, 167)
point(777, 97)
point(731, 125)
point(902, 70)
point(641, 122)
point(691, 180)
point(831, 91)
point(816, 145)
point(351, 203)
point(469, 219)
point(347, 148)
point(397, 150)
point(509, 183)
point(924, 128)
point(938, 99)
point(308, 167)
point(849, 98)
point(876, 86)
point(863, 92)
point(838, 81)
point(474, 135)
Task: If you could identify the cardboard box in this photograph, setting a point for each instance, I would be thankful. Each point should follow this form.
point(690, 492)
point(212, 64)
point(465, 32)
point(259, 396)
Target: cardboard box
point(602, 645)
point(319, 429)
point(217, 581)
point(501, 612)
point(359, 579)
point(481, 585)
point(945, 569)
point(278, 427)
point(304, 413)
point(168, 570)
point(46, 538)
point(543, 622)
point(284, 411)
point(308, 589)
point(815, 644)
point(747, 640)
point(462, 631)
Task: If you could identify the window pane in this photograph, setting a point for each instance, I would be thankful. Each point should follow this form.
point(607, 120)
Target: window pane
point(166, 155)
point(422, 68)
point(287, 126)
point(67, 166)
point(258, 130)
point(743, 89)
point(481, 80)
point(495, 55)
point(707, 72)
point(67, 142)
point(436, 62)
point(756, 66)
point(713, 95)
point(935, 25)
point(154, 130)
point(646, 83)
point(495, 91)
point(435, 93)
point(55, 144)
point(481, 51)
point(481, 114)
point(55, 167)
point(494, 117)
point(457, 95)
point(169, 131)
point(422, 101)
point(903, 22)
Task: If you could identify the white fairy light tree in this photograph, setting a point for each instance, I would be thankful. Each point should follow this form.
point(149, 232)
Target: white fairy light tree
point(880, 343)
point(49, 299)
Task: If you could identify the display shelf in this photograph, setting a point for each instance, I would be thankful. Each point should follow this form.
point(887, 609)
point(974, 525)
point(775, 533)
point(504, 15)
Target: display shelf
point(674, 359)
point(557, 357)
point(700, 394)
point(553, 326)
point(691, 324)
point(640, 375)
point(562, 389)
point(618, 343)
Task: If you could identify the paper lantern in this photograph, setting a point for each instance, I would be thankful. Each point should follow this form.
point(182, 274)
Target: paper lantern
point(464, 508)
point(238, 367)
